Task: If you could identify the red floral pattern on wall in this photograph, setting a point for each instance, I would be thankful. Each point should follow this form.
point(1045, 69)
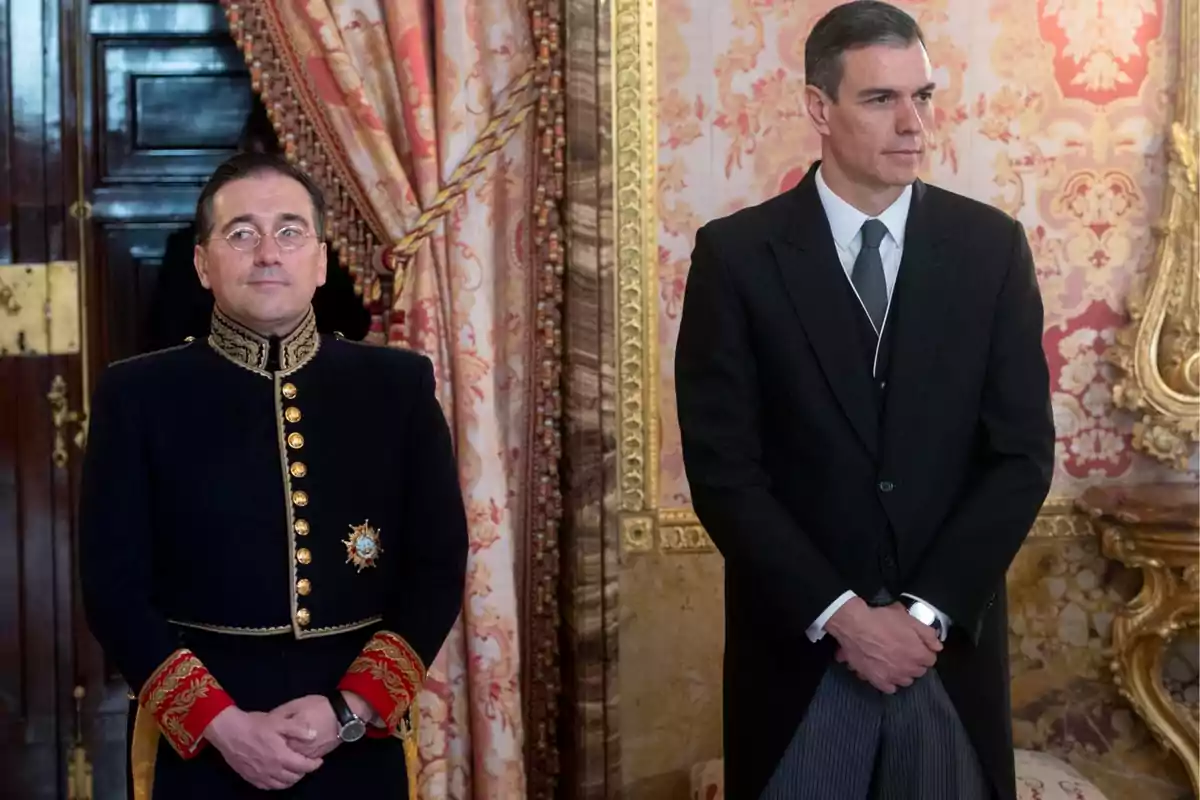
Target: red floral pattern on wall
point(1053, 110)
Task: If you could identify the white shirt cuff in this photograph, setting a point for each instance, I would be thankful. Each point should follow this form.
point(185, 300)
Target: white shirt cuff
point(942, 618)
point(816, 631)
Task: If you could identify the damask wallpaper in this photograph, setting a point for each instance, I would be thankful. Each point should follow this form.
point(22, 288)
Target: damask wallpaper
point(1053, 110)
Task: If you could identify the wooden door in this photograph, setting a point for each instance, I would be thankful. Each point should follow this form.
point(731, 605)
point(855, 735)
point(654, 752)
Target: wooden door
point(116, 114)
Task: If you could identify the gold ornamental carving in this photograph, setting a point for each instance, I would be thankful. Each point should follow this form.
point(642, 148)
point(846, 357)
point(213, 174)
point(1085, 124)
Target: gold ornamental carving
point(680, 531)
point(1159, 351)
point(637, 533)
point(634, 150)
point(1154, 529)
point(63, 417)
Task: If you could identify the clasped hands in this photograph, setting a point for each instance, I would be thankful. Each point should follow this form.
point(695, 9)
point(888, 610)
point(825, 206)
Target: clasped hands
point(884, 646)
point(275, 750)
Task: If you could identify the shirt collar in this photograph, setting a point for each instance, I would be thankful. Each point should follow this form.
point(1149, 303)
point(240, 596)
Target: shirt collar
point(845, 220)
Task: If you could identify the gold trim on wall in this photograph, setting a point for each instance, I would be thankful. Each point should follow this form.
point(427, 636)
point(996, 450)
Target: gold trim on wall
point(1159, 351)
point(679, 530)
point(635, 143)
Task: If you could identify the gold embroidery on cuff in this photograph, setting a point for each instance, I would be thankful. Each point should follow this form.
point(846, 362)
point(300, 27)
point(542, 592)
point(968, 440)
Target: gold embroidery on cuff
point(173, 690)
point(390, 661)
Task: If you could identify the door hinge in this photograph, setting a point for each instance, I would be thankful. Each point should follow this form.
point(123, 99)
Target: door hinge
point(39, 309)
point(79, 767)
point(63, 417)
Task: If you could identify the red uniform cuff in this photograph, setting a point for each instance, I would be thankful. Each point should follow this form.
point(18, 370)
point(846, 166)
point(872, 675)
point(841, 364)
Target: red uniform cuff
point(184, 697)
point(387, 674)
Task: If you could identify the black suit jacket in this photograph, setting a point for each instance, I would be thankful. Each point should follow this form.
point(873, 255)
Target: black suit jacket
point(814, 477)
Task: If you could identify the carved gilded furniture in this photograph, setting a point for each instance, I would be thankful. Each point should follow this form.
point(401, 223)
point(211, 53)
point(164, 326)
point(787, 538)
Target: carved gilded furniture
point(1159, 351)
point(1155, 529)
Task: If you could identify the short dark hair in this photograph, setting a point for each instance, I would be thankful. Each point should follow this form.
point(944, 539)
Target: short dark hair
point(860, 23)
point(245, 165)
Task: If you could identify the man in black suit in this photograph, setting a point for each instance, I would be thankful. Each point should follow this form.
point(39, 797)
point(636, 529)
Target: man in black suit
point(864, 403)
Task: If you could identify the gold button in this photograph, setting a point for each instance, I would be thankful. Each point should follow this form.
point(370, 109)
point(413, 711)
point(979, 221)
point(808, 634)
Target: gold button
point(304, 556)
point(303, 587)
point(300, 526)
point(292, 414)
point(300, 498)
point(295, 441)
point(298, 470)
point(289, 391)
point(302, 617)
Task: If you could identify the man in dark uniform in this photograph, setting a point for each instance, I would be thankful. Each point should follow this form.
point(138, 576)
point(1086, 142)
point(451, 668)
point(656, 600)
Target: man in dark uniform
point(273, 539)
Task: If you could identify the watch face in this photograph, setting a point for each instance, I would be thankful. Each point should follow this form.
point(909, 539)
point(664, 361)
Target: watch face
point(923, 613)
point(353, 730)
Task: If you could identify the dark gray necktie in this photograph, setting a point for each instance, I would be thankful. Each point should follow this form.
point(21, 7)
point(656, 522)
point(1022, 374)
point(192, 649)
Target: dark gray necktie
point(867, 275)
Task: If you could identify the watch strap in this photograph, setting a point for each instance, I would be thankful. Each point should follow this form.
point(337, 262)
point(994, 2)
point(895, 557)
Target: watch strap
point(341, 709)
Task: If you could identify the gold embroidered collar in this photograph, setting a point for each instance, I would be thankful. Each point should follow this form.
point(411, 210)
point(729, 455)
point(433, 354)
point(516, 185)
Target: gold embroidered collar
point(251, 350)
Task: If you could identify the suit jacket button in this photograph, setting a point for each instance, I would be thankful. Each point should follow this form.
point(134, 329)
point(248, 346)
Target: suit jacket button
point(886, 486)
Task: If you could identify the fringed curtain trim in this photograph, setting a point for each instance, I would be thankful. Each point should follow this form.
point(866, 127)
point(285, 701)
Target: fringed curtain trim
point(377, 265)
point(308, 141)
point(547, 506)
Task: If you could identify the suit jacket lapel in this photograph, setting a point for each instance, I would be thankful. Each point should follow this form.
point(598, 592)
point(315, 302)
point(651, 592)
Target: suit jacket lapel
point(918, 318)
point(808, 261)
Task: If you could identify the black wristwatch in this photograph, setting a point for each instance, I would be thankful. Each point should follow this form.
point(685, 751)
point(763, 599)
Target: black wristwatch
point(350, 726)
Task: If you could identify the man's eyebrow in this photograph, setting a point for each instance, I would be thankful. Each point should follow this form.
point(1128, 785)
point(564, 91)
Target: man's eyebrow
point(288, 217)
point(884, 91)
point(291, 217)
point(239, 219)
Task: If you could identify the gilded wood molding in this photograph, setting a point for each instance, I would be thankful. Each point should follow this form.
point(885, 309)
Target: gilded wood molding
point(679, 531)
point(1159, 351)
point(635, 142)
point(1156, 530)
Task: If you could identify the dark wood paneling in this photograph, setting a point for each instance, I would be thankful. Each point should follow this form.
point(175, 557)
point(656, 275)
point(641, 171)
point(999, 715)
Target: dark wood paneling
point(171, 95)
point(35, 496)
point(156, 122)
point(156, 94)
point(130, 256)
point(145, 83)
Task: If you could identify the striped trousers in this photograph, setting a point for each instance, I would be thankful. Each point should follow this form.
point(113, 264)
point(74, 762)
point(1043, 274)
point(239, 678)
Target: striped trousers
point(856, 743)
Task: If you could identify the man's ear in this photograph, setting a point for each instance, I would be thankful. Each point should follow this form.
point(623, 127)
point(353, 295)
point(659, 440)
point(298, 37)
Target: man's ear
point(200, 261)
point(323, 266)
point(818, 105)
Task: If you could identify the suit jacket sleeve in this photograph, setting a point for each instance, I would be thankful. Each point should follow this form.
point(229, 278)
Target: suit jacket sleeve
point(968, 561)
point(427, 597)
point(717, 393)
point(116, 571)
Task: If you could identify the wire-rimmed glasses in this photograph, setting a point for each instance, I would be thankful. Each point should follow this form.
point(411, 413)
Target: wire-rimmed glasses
point(247, 239)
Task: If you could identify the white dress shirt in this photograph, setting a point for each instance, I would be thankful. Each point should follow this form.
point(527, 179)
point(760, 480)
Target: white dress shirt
point(845, 223)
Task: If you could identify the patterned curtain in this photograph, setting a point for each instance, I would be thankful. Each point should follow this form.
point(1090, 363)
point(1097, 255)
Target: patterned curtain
point(434, 128)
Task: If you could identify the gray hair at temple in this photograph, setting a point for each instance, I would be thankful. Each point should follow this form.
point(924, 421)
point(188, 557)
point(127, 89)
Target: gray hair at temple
point(851, 26)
